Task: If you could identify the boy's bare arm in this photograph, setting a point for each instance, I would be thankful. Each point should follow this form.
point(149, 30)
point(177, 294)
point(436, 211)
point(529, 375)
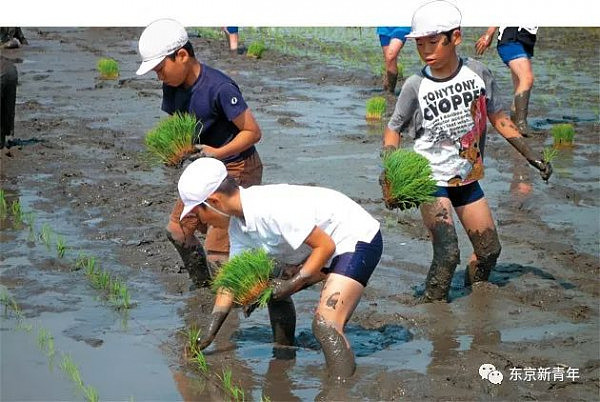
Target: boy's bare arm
point(391, 140)
point(508, 130)
point(485, 40)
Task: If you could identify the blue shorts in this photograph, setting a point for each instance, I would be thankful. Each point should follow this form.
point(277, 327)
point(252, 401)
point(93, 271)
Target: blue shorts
point(360, 264)
point(461, 195)
point(512, 50)
point(231, 30)
point(387, 33)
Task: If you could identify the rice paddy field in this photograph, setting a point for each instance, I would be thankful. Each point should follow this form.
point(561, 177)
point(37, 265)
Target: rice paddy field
point(95, 304)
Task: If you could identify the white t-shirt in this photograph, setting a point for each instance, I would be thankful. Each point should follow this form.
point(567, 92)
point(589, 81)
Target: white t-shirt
point(279, 217)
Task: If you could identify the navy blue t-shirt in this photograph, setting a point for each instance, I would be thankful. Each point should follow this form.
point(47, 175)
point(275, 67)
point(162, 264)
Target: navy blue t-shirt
point(215, 100)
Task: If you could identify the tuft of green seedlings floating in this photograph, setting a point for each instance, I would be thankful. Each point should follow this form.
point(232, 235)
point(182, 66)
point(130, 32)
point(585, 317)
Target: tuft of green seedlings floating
point(256, 49)
point(61, 246)
point(246, 276)
point(376, 108)
point(17, 213)
point(235, 391)
point(46, 235)
point(3, 205)
point(68, 366)
point(108, 68)
point(10, 304)
point(549, 154)
point(409, 177)
point(563, 134)
point(171, 140)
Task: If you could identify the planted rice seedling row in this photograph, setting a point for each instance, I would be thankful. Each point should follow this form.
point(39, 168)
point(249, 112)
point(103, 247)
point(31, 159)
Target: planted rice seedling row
point(101, 279)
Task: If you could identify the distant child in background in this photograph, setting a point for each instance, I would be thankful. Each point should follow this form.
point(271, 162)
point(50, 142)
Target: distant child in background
point(233, 38)
point(445, 108)
point(515, 47)
point(392, 40)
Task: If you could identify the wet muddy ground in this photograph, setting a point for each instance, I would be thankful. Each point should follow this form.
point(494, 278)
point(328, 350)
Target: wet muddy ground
point(79, 166)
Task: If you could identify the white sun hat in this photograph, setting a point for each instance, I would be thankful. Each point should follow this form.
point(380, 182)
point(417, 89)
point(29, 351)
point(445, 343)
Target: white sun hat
point(433, 18)
point(160, 39)
point(198, 181)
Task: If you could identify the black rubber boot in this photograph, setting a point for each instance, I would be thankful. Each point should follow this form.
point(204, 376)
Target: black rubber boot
point(194, 261)
point(521, 102)
point(389, 82)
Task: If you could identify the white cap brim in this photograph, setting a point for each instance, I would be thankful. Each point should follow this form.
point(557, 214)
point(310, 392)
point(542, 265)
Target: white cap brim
point(187, 209)
point(148, 65)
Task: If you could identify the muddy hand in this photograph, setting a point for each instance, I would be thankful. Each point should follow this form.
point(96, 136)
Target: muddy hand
point(249, 309)
point(283, 288)
point(545, 169)
point(215, 324)
point(202, 151)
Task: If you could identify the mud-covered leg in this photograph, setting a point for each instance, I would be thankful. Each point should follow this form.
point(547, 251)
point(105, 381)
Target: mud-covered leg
point(282, 315)
point(194, 261)
point(486, 247)
point(338, 354)
point(437, 216)
point(477, 220)
point(446, 256)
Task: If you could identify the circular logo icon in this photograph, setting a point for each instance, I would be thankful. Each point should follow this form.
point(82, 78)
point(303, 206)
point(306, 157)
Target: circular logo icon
point(234, 100)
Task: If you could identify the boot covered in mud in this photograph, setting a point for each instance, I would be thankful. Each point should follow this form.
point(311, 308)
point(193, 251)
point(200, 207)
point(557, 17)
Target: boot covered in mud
point(521, 105)
point(389, 82)
point(446, 256)
point(195, 262)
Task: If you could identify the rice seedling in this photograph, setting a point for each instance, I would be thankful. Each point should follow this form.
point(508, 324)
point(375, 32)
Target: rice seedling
point(246, 276)
point(30, 219)
point(236, 392)
point(45, 342)
point(264, 398)
point(61, 246)
point(3, 205)
point(256, 49)
point(408, 179)
point(549, 154)
point(171, 140)
point(17, 213)
point(46, 235)
point(108, 68)
point(376, 108)
point(195, 355)
point(68, 366)
point(9, 303)
point(563, 134)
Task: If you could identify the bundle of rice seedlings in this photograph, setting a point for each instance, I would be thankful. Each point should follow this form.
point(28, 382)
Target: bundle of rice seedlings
point(256, 49)
point(375, 107)
point(563, 134)
point(171, 139)
point(108, 68)
point(408, 179)
point(548, 154)
point(246, 276)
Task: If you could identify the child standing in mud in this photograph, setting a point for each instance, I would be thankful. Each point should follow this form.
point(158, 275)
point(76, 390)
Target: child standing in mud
point(445, 108)
point(333, 238)
point(227, 131)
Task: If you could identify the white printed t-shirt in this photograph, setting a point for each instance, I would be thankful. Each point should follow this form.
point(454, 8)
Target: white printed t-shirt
point(279, 217)
point(448, 119)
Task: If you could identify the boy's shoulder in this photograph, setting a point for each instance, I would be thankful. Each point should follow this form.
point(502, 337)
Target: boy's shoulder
point(475, 65)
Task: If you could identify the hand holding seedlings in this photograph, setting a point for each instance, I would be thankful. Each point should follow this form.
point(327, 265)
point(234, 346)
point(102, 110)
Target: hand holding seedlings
point(202, 151)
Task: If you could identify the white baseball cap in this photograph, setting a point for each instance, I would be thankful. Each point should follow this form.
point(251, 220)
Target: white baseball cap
point(160, 39)
point(198, 181)
point(433, 18)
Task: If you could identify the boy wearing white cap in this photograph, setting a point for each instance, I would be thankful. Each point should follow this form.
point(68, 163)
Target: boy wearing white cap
point(332, 236)
point(228, 130)
point(445, 108)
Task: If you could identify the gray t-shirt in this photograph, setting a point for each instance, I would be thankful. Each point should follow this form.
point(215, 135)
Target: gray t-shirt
point(447, 119)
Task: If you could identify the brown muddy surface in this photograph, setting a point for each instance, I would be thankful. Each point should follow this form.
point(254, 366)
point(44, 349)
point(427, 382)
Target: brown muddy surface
point(79, 166)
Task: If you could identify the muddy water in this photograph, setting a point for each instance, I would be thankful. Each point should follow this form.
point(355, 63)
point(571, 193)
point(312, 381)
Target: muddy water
point(88, 179)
